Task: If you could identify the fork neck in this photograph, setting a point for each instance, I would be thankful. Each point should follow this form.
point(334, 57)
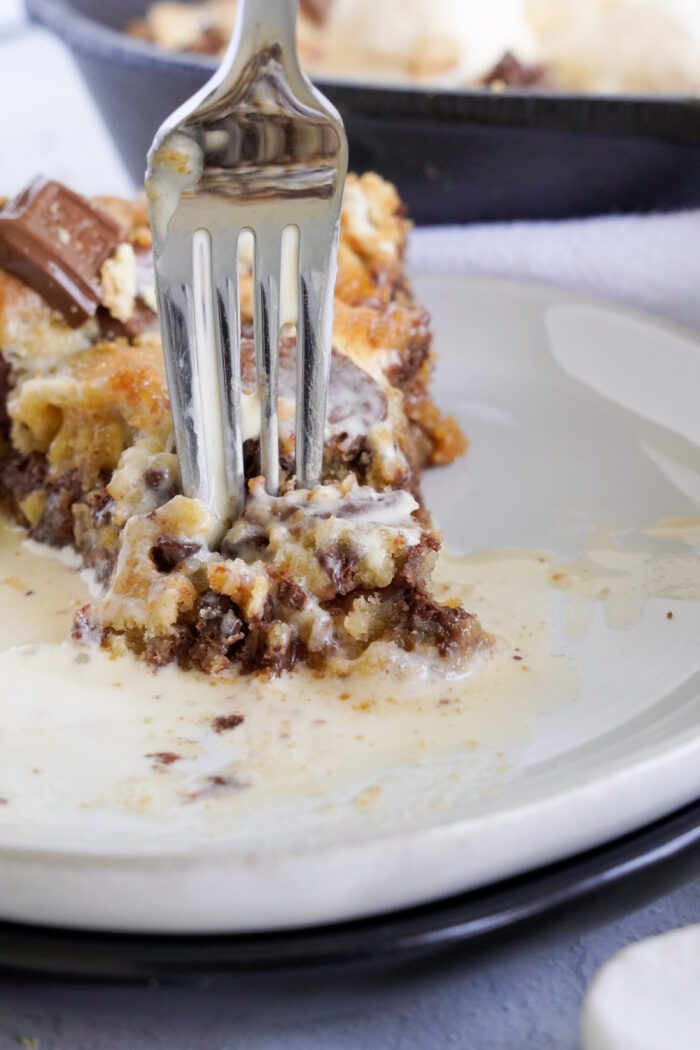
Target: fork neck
point(262, 23)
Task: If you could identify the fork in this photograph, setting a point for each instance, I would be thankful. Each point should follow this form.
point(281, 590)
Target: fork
point(257, 150)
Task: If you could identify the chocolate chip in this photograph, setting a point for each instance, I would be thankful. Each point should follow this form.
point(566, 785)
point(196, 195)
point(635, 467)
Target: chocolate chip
point(160, 481)
point(100, 504)
point(56, 242)
point(290, 593)
point(168, 552)
point(154, 477)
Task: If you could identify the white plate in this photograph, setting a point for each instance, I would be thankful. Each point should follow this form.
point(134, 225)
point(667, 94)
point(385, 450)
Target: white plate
point(584, 429)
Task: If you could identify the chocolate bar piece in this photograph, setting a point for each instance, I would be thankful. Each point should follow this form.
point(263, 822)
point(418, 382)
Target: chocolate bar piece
point(56, 241)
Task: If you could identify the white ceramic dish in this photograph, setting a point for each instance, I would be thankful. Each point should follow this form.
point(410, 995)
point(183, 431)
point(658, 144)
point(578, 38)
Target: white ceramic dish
point(585, 440)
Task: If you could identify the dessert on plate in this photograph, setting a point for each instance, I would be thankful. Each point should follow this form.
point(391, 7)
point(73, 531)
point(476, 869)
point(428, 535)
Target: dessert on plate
point(88, 459)
point(592, 46)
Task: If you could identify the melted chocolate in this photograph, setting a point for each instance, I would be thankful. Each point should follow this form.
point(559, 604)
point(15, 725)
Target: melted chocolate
point(352, 394)
point(56, 242)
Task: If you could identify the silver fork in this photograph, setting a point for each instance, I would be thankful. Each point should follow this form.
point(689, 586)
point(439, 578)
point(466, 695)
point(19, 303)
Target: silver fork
point(257, 149)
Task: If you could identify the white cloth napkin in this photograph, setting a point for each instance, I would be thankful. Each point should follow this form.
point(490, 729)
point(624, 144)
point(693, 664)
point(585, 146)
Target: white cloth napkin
point(11, 15)
point(652, 262)
point(50, 125)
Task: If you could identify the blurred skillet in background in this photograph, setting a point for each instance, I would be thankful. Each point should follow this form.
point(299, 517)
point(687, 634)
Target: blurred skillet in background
point(456, 156)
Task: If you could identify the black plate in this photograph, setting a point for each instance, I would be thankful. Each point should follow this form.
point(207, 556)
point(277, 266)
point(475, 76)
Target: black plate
point(566, 897)
point(455, 156)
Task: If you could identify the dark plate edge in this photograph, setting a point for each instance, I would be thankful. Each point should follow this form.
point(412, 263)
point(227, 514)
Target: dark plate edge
point(643, 864)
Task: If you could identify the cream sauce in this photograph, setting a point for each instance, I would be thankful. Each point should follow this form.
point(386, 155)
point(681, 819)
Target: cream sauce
point(82, 732)
point(103, 750)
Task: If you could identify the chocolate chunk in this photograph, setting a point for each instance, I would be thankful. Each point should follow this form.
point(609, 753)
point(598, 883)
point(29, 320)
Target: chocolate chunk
point(340, 567)
point(56, 525)
point(412, 572)
point(100, 504)
point(142, 320)
point(56, 242)
point(418, 619)
point(353, 396)
point(262, 651)
point(163, 649)
point(20, 475)
point(213, 635)
point(411, 360)
point(290, 593)
point(169, 552)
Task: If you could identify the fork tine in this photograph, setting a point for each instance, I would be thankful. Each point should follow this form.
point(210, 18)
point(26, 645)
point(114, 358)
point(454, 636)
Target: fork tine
point(266, 271)
point(208, 388)
point(173, 310)
point(317, 268)
point(225, 251)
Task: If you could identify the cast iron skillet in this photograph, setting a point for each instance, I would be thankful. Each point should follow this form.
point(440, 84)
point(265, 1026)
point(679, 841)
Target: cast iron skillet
point(455, 156)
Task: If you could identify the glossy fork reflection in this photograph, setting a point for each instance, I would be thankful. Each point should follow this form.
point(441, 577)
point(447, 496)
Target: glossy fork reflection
point(259, 150)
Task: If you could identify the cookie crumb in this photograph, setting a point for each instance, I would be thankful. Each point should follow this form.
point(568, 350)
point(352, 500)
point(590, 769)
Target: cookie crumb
point(225, 722)
point(164, 758)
